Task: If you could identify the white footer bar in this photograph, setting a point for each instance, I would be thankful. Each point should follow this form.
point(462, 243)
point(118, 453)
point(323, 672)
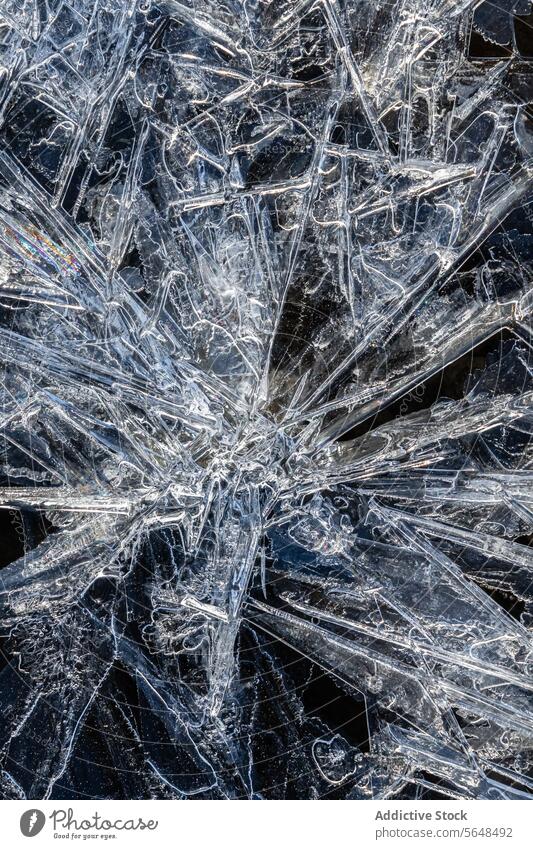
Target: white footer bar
point(267, 825)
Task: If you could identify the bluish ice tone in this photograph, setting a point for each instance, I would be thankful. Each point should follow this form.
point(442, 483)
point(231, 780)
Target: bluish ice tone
point(266, 399)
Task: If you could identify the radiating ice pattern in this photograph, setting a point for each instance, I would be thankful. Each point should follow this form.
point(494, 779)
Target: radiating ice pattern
point(266, 399)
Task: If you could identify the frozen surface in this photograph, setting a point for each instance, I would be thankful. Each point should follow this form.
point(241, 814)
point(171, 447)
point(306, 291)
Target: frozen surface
point(266, 399)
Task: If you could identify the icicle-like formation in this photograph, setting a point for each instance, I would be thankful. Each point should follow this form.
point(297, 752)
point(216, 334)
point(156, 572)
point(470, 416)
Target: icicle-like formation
point(266, 399)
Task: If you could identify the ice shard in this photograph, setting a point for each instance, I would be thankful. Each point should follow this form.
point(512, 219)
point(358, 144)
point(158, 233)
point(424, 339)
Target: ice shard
point(266, 399)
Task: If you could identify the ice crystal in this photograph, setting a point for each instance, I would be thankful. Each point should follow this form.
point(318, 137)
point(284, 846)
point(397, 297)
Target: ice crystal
point(266, 399)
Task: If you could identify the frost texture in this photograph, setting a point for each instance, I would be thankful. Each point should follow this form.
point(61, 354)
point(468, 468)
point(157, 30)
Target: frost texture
point(266, 399)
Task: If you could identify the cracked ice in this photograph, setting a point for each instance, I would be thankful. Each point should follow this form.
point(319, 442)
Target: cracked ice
point(266, 399)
